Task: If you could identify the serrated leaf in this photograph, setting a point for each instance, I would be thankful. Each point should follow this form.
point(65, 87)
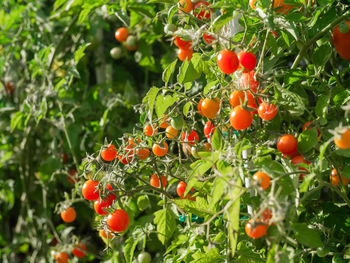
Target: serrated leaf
point(130, 246)
point(166, 224)
point(79, 54)
point(304, 187)
point(290, 101)
point(307, 236)
point(322, 106)
point(188, 72)
point(200, 207)
point(217, 140)
point(168, 72)
point(150, 99)
point(163, 103)
point(307, 140)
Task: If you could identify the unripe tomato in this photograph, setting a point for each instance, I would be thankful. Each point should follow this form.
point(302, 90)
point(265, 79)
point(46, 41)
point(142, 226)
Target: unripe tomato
point(121, 34)
point(247, 81)
point(208, 38)
point(185, 5)
point(240, 118)
point(68, 215)
point(183, 44)
point(287, 144)
point(343, 142)
point(201, 10)
point(155, 182)
point(160, 150)
point(267, 111)
point(144, 257)
point(177, 122)
point(79, 250)
point(208, 129)
point(118, 221)
point(337, 259)
point(61, 257)
point(322, 252)
point(150, 131)
point(335, 180)
point(182, 54)
point(90, 190)
point(210, 107)
point(171, 132)
point(227, 61)
point(142, 153)
point(247, 60)
point(194, 152)
point(110, 153)
point(341, 41)
point(116, 52)
point(131, 43)
point(255, 229)
point(263, 179)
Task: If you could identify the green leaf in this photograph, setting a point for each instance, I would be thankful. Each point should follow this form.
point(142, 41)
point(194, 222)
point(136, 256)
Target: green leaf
point(341, 98)
point(290, 101)
point(130, 246)
point(16, 119)
point(199, 207)
point(224, 167)
point(307, 140)
point(187, 108)
point(218, 191)
point(217, 140)
point(166, 224)
point(304, 187)
point(188, 72)
point(321, 108)
point(163, 103)
point(346, 172)
point(168, 72)
point(79, 54)
point(322, 54)
point(233, 216)
point(307, 236)
point(150, 99)
point(342, 152)
point(210, 85)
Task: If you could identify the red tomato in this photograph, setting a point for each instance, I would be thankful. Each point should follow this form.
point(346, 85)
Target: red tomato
point(182, 54)
point(267, 111)
point(110, 153)
point(309, 127)
point(100, 204)
point(255, 229)
point(118, 221)
point(335, 180)
point(227, 61)
point(201, 10)
point(150, 130)
point(240, 119)
point(266, 216)
point(192, 137)
point(342, 41)
point(183, 44)
point(79, 250)
point(90, 190)
point(142, 153)
point(247, 81)
point(287, 144)
point(247, 60)
point(208, 38)
point(181, 188)
point(208, 129)
point(155, 182)
point(68, 215)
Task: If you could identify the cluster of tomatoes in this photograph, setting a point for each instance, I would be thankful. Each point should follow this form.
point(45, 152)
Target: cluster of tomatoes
point(122, 35)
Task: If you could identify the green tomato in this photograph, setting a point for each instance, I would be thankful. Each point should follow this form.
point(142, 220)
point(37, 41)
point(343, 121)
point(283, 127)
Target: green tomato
point(177, 122)
point(322, 252)
point(337, 259)
point(143, 202)
point(194, 152)
point(131, 41)
point(116, 52)
point(169, 28)
point(144, 257)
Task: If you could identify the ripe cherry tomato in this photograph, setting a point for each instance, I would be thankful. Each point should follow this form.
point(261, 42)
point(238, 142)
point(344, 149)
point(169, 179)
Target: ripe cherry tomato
point(308, 126)
point(118, 221)
point(61, 257)
point(79, 250)
point(185, 5)
point(200, 107)
point(208, 38)
point(132, 141)
point(266, 216)
point(160, 150)
point(121, 34)
point(344, 141)
point(227, 61)
point(238, 97)
point(287, 144)
point(335, 180)
point(164, 123)
point(210, 107)
point(252, 4)
point(110, 153)
point(90, 190)
point(181, 188)
point(240, 118)
point(142, 153)
point(247, 81)
point(182, 54)
point(263, 178)
point(201, 10)
point(150, 131)
point(298, 160)
point(171, 132)
point(255, 229)
point(155, 182)
point(183, 44)
point(190, 138)
point(247, 60)
point(342, 41)
point(68, 215)
point(100, 204)
point(106, 235)
point(208, 129)
point(267, 111)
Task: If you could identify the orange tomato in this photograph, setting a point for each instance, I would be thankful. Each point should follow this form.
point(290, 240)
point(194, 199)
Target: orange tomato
point(185, 5)
point(79, 250)
point(342, 41)
point(267, 111)
point(200, 107)
point(68, 215)
point(238, 97)
point(155, 182)
point(263, 178)
point(105, 235)
point(287, 144)
point(160, 150)
point(150, 131)
point(121, 34)
point(335, 180)
point(182, 54)
point(210, 107)
point(344, 141)
point(110, 153)
point(255, 229)
point(61, 257)
point(142, 153)
point(240, 118)
point(171, 132)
